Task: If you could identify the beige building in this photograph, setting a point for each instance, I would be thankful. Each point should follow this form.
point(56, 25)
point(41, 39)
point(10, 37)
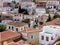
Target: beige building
point(43, 18)
point(18, 17)
point(17, 26)
point(31, 34)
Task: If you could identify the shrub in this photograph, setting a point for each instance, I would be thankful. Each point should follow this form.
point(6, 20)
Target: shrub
point(2, 28)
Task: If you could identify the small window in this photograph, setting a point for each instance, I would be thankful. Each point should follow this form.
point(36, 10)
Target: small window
point(21, 28)
point(15, 19)
point(24, 28)
point(47, 39)
point(31, 36)
point(51, 38)
point(12, 28)
point(42, 37)
point(17, 29)
point(9, 27)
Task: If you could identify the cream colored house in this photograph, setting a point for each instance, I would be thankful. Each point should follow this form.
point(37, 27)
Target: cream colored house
point(18, 17)
point(17, 26)
point(43, 18)
point(31, 34)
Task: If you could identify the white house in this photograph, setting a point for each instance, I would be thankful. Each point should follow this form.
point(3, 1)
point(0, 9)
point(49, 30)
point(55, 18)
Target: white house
point(30, 6)
point(59, 7)
point(17, 26)
point(49, 35)
point(6, 9)
point(32, 17)
point(40, 11)
point(52, 3)
point(7, 0)
point(18, 17)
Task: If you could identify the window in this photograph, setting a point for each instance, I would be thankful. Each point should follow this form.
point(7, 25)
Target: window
point(17, 29)
point(47, 39)
point(51, 38)
point(42, 37)
point(24, 28)
point(31, 36)
point(21, 28)
point(9, 27)
point(12, 28)
point(7, 17)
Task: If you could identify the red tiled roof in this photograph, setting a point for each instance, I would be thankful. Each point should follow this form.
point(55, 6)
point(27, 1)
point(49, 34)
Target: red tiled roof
point(8, 35)
point(17, 24)
point(53, 22)
point(30, 30)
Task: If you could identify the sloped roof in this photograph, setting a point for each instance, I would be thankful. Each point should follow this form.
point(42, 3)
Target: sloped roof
point(17, 24)
point(8, 35)
point(30, 30)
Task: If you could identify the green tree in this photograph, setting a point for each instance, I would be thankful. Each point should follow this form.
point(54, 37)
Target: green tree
point(23, 11)
point(16, 6)
point(35, 26)
point(14, 2)
point(19, 10)
point(27, 21)
point(33, 0)
point(2, 28)
point(49, 19)
point(56, 16)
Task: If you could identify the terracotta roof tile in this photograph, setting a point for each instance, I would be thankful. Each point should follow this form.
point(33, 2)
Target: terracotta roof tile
point(30, 30)
point(8, 35)
point(53, 22)
point(17, 24)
